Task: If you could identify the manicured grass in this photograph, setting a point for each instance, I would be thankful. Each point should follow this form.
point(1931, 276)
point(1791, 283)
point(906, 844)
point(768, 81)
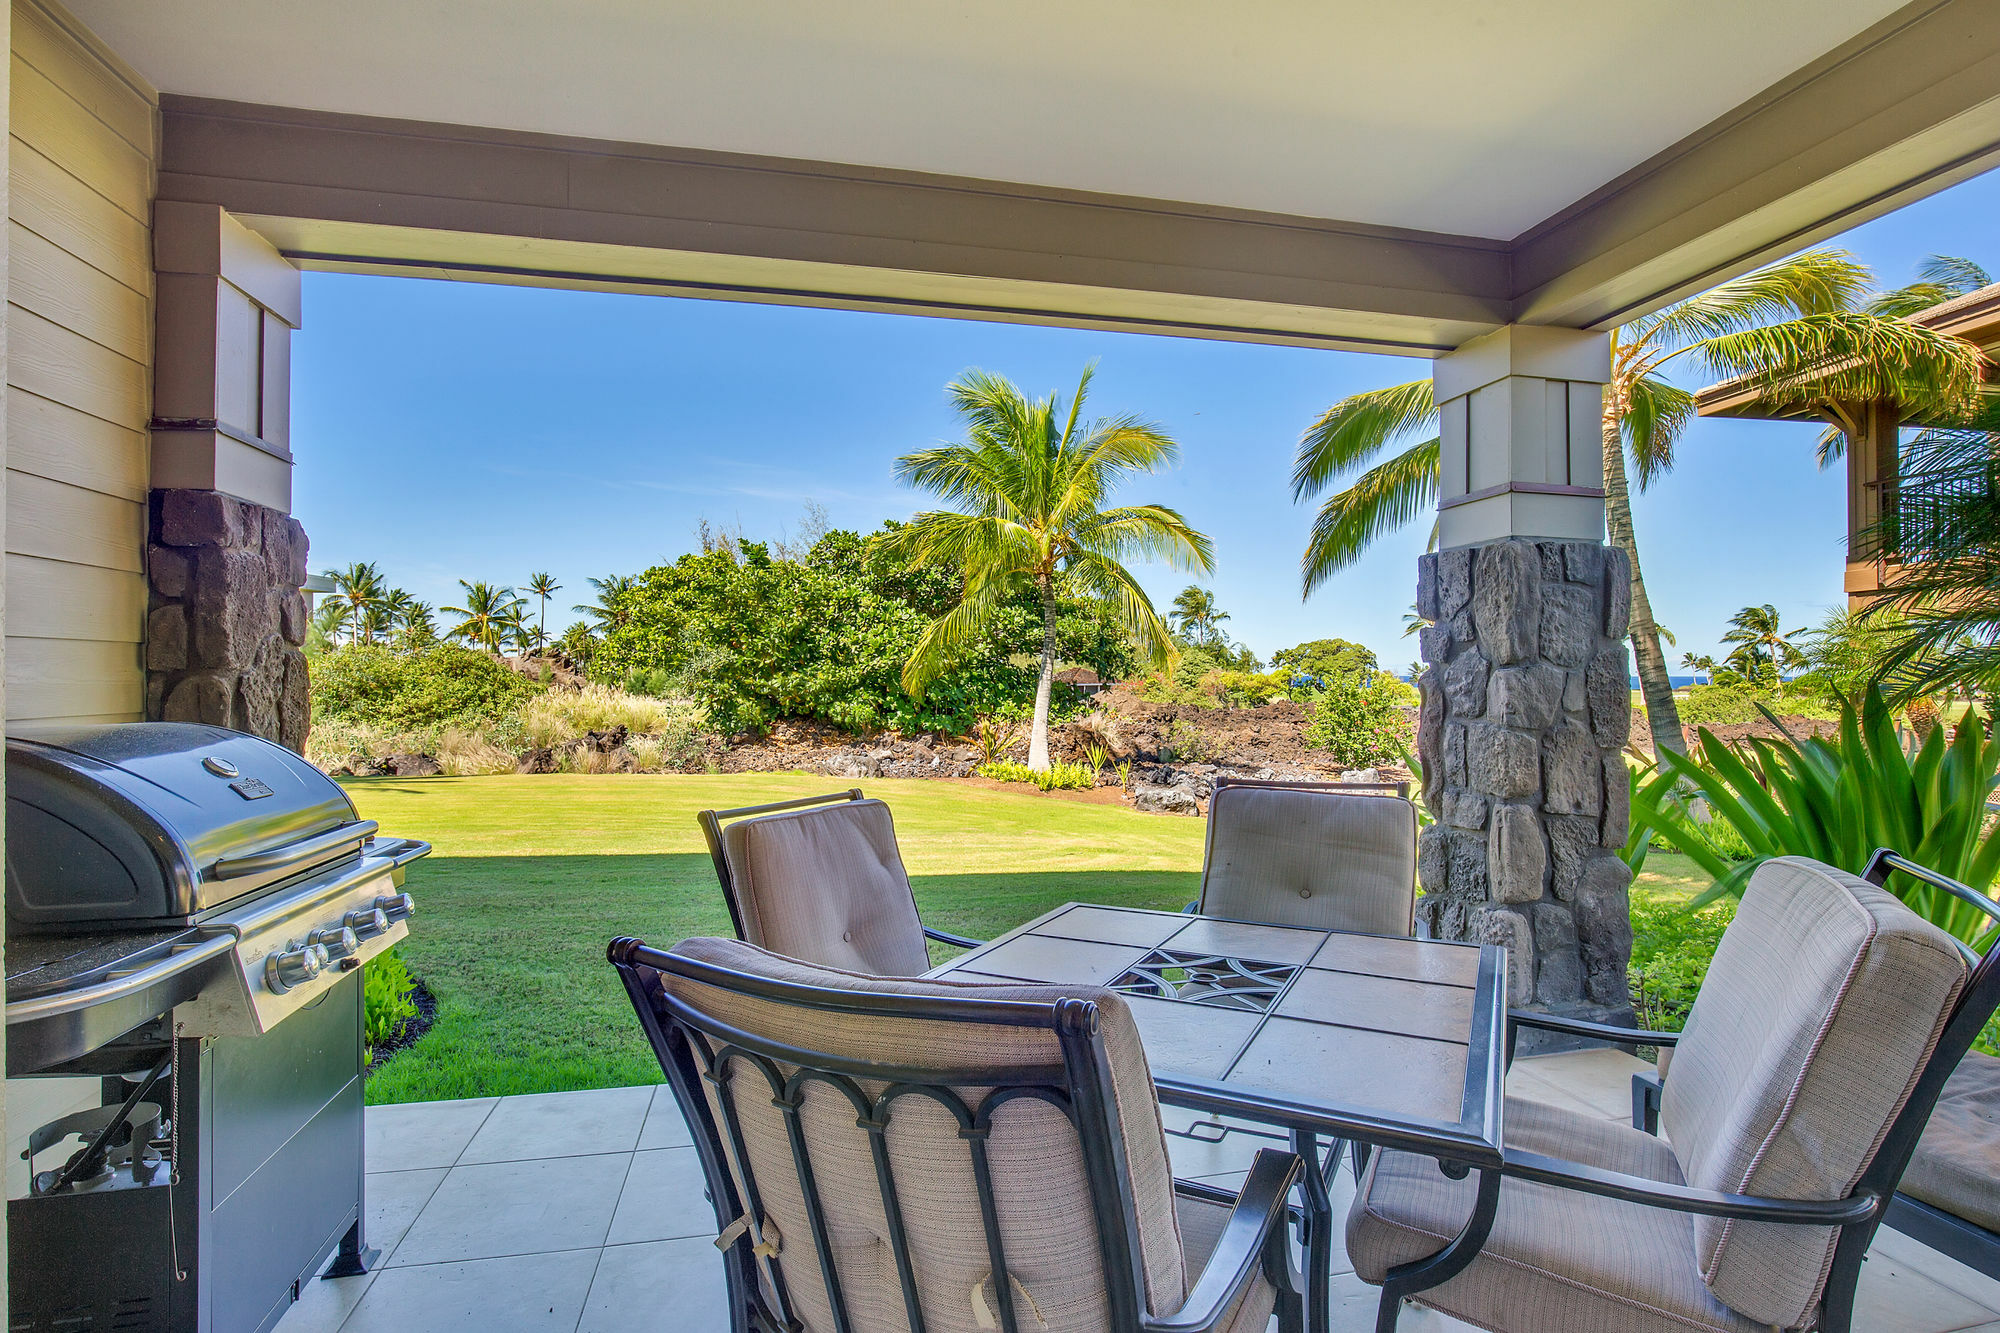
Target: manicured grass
point(533, 876)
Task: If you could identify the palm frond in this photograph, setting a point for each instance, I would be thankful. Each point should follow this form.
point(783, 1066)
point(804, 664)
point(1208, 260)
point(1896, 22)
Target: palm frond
point(1656, 413)
point(1152, 532)
point(1817, 282)
point(1354, 430)
point(949, 636)
point(1381, 500)
point(1847, 356)
point(1113, 584)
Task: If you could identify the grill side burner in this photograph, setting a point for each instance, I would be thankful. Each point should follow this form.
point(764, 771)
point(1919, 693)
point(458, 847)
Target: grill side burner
point(190, 890)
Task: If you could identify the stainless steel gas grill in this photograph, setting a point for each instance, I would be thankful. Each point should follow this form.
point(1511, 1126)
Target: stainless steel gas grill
point(186, 911)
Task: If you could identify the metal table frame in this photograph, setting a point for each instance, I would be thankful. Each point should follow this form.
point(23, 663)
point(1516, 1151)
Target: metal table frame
point(1471, 1143)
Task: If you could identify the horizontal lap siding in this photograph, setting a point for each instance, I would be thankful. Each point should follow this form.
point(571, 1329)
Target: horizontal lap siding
point(79, 392)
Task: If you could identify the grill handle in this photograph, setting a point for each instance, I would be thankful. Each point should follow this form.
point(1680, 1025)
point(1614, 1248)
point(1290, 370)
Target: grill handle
point(290, 854)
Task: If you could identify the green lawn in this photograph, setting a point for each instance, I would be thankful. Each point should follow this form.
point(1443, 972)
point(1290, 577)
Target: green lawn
point(533, 876)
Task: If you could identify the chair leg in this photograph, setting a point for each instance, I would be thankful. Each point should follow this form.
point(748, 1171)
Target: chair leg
point(1387, 1313)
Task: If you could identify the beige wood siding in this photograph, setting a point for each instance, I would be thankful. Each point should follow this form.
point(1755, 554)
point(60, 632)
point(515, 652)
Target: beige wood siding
point(79, 392)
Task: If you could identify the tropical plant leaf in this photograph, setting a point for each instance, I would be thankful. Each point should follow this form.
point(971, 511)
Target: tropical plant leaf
point(1656, 413)
point(1350, 434)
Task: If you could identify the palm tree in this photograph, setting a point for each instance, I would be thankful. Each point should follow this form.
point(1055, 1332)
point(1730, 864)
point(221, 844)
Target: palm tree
point(1700, 664)
point(609, 611)
point(543, 586)
point(329, 618)
point(1197, 616)
point(415, 625)
point(488, 616)
point(1791, 329)
point(358, 589)
point(1030, 480)
point(1755, 630)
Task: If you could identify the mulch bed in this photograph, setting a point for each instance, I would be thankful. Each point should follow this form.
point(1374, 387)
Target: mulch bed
point(411, 1030)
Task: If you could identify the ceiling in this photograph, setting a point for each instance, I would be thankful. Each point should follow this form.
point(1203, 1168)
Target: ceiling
point(1456, 116)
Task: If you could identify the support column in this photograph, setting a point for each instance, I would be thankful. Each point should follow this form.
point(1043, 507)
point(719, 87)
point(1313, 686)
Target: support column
point(1526, 694)
point(226, 559)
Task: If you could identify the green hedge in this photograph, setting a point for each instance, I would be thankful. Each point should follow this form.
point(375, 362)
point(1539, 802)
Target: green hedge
point(439, 685)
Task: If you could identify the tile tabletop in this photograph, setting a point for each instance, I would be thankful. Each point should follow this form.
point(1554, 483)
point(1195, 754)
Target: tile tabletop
point(1323, 1030)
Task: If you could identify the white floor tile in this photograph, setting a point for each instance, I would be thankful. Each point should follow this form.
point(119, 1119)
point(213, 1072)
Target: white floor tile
point(491, 1209)
point(561, 1124)
point(1602, 1078)
point(1895, 1298)
point(537, 1293)
point(416, 1135)
point(394, 1200)
point(665, 1198)
point(636, 1282)
point(665, 1126)
point(325, 1303)
point(1938, 1268)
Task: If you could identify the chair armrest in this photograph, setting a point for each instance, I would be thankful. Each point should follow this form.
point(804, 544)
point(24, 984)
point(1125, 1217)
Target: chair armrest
point(1192, 908)
point(1577, 1027)
point(956, 941)
point(1684, 1198)
point(1252, 1239)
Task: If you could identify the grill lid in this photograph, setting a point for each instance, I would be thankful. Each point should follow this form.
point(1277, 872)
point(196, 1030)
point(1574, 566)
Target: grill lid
point(147, 823)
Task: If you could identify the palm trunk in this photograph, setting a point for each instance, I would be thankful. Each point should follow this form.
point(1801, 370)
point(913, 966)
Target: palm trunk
point(1038, 738)
point(1655, 686)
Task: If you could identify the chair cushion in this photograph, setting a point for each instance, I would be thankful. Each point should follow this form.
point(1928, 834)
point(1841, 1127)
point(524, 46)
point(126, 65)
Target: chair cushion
point(1035, 1155)
point(827, 884)
point(1825, 999)
point(1201, 1230)
point(1957, 1163)
point(1310, 857)
point(1556, 1261)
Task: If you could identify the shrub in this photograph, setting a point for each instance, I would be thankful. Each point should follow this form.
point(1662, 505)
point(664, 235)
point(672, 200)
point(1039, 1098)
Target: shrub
point(561, 715)
point(1186, 743)
point(471, 753)
point(1837, 801)
point(1243, 689)
point(1058, 777)
point(387, 1004)
point(1739, 702)
point(1672, 947)
point(1361, 725)
point(439, 685)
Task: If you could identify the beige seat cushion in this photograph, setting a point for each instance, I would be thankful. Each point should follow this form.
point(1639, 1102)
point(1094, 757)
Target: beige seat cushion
point(1313, 858)
point(1201, 1230)
point(1557, 1261)
point(1035, 1154)
point(1957, 1163)
point(1825, 999)
point(827, 885)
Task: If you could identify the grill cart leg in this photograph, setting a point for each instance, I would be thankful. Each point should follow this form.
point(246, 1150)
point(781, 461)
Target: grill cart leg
point(354, 1257)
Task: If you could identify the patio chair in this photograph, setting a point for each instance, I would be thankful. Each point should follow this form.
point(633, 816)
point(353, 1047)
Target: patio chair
point(1830, 1019)
point(1949, 1196)
point(821, 879)
point(1324, 855)
point(892, 1153)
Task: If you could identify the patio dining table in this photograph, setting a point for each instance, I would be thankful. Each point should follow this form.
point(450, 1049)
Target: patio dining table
point(1372, 1040)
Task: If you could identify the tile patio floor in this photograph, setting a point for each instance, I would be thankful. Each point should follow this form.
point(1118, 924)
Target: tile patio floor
point(582, 1212)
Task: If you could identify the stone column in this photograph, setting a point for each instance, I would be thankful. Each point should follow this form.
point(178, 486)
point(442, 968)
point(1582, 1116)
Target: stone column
point(1526, 696)
point(227, 618)
point(226, 559)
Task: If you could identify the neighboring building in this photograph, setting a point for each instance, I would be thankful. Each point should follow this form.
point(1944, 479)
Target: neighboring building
point(1874, 435)
point(1081, 679)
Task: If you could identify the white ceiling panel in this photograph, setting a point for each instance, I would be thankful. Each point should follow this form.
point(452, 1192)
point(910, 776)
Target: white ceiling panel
point(1458, 116)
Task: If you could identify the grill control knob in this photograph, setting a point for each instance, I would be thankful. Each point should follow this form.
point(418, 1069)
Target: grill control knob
point(294, 967)
point(338, 941)
point(397, 906)
point(366, 922)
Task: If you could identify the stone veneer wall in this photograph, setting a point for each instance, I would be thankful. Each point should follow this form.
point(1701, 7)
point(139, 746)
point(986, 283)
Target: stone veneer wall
point(228, 616)
point(1526, 707)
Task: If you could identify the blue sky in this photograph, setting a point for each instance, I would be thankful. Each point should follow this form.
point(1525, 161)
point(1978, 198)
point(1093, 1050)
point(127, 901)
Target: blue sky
point(454, 430)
